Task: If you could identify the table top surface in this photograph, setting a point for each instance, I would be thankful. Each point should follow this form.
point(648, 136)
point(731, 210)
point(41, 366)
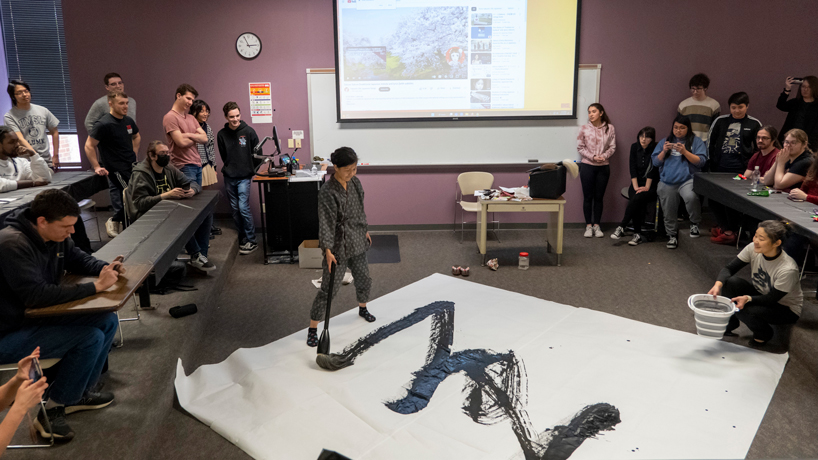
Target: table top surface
point(60, 180)
point(560, 200)
point(111, 299)
point(723, 188)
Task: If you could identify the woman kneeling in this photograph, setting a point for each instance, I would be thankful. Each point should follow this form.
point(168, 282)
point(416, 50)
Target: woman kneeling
point(774, 296)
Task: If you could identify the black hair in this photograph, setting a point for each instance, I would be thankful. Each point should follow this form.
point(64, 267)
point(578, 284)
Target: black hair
point(773, 132)
point(13, 87)
point(647, 131)
point(111, 75)
point(53, 204)
point(197, 107)
point(5, 131)
point(699, 79)
point(684, 120)
point(739, 98)
point(604, 117)
point(343, 156)
point(230, 106)
point(775, 230)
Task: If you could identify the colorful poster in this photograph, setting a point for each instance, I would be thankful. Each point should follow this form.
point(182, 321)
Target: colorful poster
point(261, 103)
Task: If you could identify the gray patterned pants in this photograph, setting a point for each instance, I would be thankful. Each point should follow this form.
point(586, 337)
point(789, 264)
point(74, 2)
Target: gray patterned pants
point(363, 283)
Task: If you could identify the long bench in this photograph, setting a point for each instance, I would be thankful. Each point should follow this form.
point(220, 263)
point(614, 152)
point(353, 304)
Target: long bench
point(78, 184)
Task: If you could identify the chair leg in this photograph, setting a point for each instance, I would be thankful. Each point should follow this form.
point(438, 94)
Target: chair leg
point(121, 336)
point(804, 265)
point(738, 235)
point(496, 230)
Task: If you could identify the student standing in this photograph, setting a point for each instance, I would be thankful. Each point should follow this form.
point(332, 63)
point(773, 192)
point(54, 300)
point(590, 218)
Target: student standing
point(644, 180)
point(20, 166)
point(596, 143)
point(32, 122)
point(699, 107)
point(207, 151)
point(113, 82)
point(117, 137)
point(802, 110)
point(678, 157)
point(237, 142)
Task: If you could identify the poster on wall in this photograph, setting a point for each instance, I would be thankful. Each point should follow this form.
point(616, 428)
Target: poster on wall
point(261, 103)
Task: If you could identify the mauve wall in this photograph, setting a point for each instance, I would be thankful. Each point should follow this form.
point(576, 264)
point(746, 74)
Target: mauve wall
point(648, 51)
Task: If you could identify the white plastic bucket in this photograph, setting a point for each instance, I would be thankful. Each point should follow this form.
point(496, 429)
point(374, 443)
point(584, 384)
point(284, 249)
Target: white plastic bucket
point(712, 314)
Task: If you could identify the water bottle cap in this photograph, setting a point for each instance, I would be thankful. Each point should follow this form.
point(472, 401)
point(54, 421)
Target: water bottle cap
point(756, 167)
point(523, 254)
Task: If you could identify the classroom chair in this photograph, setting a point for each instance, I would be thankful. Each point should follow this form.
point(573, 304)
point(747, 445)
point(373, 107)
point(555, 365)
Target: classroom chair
point(468, 183)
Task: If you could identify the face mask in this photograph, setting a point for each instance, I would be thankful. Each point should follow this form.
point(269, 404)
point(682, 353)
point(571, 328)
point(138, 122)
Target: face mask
point(162, 160)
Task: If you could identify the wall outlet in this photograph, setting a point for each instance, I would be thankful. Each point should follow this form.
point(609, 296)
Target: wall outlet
point(290, 143)
point(298, 143)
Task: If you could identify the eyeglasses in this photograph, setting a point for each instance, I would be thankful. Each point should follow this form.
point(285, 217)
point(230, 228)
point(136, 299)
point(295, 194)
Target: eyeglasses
point(764, 138)
point(792, 142)
point(21, 92)
point(694, 89)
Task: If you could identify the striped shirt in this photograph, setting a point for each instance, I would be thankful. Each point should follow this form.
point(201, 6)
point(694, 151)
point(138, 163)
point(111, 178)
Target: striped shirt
point(701, 114)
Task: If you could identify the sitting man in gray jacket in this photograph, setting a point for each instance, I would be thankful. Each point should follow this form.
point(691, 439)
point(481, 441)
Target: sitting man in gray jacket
point(154, 180)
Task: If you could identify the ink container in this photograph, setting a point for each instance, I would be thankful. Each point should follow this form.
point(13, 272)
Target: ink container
point(523, 263)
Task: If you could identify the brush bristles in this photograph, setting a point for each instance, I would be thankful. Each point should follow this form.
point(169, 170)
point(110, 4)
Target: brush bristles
point(332, 362)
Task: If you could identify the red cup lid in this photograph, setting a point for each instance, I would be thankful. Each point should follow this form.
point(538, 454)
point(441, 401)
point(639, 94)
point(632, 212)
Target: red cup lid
point(523, 254)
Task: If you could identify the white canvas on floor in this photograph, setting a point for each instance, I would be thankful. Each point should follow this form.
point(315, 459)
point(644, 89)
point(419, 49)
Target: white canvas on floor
point(678, 395)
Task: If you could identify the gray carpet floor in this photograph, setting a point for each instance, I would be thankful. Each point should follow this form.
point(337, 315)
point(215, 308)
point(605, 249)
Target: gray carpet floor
point(248, 304)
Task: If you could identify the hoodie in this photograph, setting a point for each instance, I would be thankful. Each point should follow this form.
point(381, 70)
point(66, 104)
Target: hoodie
point(675, 169)
point(236, 149)
point(142, 191)
point(32, 269)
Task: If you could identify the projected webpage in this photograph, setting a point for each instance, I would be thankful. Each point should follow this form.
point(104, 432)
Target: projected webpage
point(407, 59)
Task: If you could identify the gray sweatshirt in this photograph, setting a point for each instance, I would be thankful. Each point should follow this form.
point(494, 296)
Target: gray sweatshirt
point(100, 108)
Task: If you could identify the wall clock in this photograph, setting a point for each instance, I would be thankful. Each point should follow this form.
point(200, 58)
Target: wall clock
point(248, 45)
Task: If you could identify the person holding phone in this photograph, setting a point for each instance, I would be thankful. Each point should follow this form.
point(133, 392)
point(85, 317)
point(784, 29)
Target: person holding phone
point(156, 179)
point(802, 110)
point(678, 157)
point(343, 236)
point(37, 252)
point(25, 392)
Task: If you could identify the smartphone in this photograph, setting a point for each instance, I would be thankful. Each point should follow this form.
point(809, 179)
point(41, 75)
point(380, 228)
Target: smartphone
point(35, 373)
point(186, 186)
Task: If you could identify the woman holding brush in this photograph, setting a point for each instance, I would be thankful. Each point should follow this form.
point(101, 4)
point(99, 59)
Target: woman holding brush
point(343, 236)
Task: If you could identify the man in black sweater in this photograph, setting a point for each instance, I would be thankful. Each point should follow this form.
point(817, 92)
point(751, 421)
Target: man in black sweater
point(236, 143)
point(36, 251)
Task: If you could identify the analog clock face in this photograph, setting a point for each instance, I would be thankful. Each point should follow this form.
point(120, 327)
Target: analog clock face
point(248, 45)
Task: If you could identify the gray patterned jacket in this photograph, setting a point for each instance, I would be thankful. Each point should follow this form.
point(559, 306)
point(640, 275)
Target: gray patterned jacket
point(342, 223)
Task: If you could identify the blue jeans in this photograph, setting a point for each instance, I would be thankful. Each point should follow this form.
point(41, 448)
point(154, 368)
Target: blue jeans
point(238, 191)
point(201, 239)
point(81, 342)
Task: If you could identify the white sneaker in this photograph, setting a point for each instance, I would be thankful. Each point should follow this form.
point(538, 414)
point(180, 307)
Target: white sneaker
point(598, 231)
point(637, 240)
point(200, 262)
point(618, 233)
point(589, 232)
point(111, 228)
point(347, 278)
point(694, 231)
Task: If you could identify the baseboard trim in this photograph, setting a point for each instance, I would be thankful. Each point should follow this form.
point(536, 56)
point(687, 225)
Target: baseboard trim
point(472, 227)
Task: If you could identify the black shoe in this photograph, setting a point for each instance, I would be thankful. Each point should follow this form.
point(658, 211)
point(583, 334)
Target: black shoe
point(91, 401)
point(54, 419)
point(312, 337)
point(364, 313)
point(215, 230)
point(730, 334)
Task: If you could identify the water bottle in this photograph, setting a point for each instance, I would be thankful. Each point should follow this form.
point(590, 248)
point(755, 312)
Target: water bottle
point(756, 178)
point(523, 263)
point(314, 170)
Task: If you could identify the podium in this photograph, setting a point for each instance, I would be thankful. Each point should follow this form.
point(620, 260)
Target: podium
point(289, 214)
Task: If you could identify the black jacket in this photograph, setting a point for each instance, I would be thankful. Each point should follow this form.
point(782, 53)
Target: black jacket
point(142, 192)
point(236, 149)
point(641, 165)
point(718, 131)
point(31, 270)
point(799, 115)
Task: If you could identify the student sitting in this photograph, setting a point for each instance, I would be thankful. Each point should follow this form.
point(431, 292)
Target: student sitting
point(768, 148)
point(774, 296)
point(154, 180)
point(20, 166)
point(792, 163)
point(35, 252)
point(678, 157)
point(730, 145)
point(24, 393)
point(644, 179)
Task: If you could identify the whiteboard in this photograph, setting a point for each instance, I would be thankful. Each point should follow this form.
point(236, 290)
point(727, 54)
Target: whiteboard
point(463, 142)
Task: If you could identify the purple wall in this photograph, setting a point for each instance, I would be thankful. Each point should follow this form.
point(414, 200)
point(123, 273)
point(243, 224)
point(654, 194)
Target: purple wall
point(648, 51)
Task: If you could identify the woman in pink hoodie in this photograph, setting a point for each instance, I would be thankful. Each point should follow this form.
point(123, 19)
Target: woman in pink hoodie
point(596, 143)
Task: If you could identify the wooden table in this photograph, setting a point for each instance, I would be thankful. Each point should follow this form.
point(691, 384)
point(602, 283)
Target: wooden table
point(555, 208)
point(112, 299)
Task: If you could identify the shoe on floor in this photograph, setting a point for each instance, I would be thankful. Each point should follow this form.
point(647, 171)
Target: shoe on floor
point(618, 233)
point(312, 337)
point(636, 240)
point(694, 231)
point(672, 243)
point(364, 313)
point(715, 231)
point(247, 248)
point(56, 420)
point(347, 278)
point(589, 232)
point(91, 401)
point(598, 231)
point(215, 230)
point(111, 228)
point(724, 239)
point(200, 262)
